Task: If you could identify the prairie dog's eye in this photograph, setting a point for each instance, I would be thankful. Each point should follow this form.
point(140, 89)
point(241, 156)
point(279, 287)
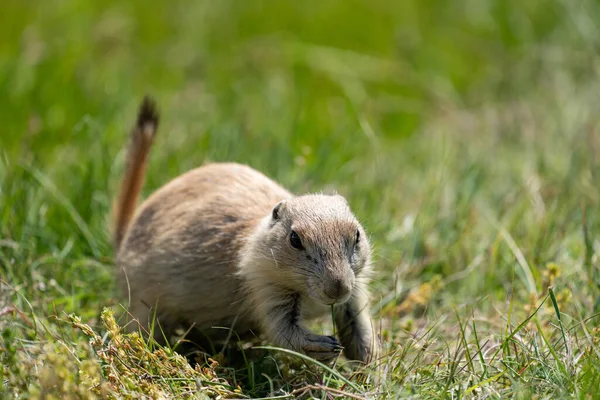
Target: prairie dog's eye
point(295, 241)
point(357, 236)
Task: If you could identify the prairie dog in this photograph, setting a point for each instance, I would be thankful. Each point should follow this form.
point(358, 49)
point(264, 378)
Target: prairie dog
point(224, 246)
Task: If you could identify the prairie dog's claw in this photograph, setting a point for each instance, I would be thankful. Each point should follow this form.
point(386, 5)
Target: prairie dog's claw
point(322, 348)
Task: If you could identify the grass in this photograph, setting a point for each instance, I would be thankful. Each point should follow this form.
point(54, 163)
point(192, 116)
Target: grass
point(465, 135)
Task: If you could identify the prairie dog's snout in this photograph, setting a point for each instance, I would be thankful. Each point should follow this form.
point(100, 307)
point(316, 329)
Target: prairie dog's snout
point(332, 289)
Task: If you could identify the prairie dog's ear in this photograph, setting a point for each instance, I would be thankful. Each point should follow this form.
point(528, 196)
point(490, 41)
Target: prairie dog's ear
point(277, 210)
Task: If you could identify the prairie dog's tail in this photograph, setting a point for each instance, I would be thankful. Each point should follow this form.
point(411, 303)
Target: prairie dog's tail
point(135, 169)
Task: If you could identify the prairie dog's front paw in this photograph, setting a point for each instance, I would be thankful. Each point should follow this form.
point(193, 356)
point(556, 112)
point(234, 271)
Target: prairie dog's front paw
point(361, 349)
point(321, 348)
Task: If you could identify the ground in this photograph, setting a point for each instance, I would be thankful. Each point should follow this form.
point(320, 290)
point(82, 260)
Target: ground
point(464, 134)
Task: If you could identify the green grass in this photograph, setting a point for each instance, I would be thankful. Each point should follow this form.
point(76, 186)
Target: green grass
point(465, 134)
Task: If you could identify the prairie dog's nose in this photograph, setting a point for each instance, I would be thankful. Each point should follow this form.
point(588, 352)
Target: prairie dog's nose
point(338, 289)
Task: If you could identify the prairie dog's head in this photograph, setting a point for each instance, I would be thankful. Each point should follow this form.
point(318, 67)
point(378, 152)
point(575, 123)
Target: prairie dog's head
point(318, 245)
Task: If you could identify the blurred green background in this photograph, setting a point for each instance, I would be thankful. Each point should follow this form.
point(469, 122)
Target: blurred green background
point(412, 109)
point(426, 114)
point(465, 134)
point(393, 62)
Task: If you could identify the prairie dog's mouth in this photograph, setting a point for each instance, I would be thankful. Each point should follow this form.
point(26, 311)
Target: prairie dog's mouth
point(319, 293)
point(339, 300)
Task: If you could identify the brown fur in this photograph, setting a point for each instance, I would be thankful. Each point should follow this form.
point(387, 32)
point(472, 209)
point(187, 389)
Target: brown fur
point(212, 248)
point(135, 170)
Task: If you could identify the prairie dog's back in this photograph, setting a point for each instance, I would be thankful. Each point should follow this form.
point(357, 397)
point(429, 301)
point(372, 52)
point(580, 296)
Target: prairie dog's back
point(202, 218)
point(223, 200)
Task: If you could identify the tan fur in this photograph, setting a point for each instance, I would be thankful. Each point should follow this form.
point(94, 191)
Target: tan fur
point(212, 248)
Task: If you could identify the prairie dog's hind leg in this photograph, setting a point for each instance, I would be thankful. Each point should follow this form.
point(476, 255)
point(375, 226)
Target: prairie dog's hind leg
point(143, 318)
